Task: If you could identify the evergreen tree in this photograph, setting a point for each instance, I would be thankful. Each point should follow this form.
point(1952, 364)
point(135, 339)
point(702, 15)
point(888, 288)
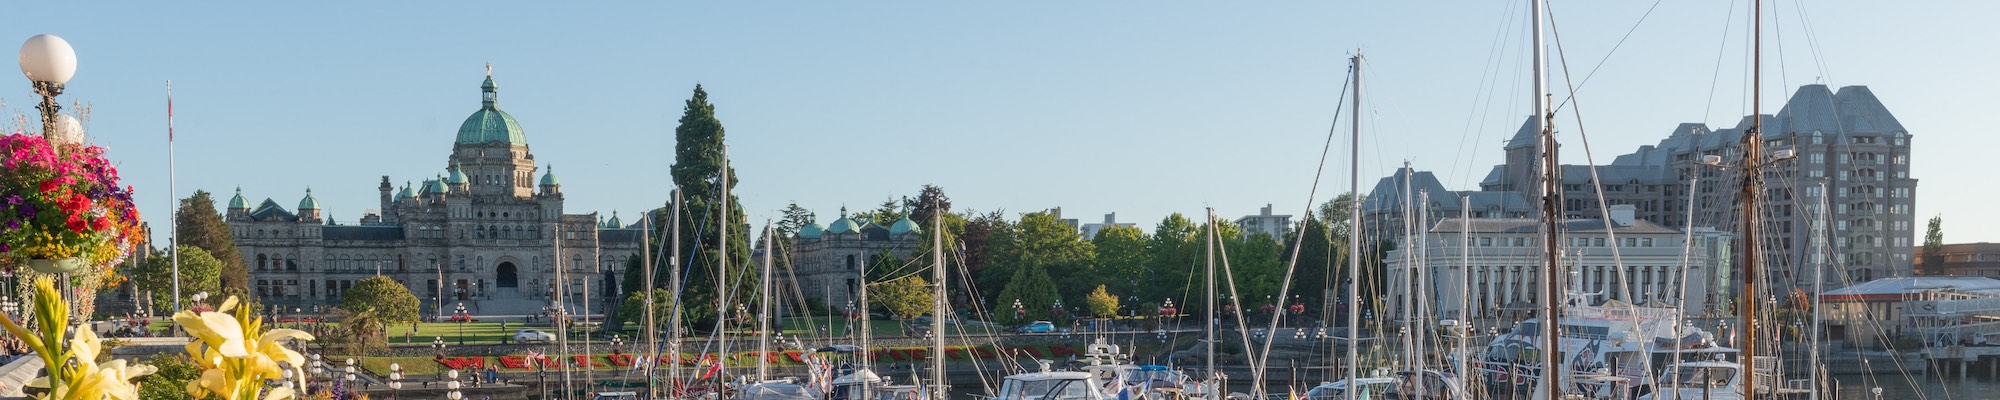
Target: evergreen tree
point(930, 201)
point(697, 169)
point(200, 226)
point(1934, 247)
point(1034, 291)
point(886, 214)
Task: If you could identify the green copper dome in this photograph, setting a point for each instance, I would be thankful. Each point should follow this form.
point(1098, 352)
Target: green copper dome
point(436, 186)
point(844, 224)
point(308, 203)
point(406, 192)
point(489, 124)
point(457, 175)
point(615, 223)
point(811, 231)
point(238, 202)
point(549, 178)
point(903, 226)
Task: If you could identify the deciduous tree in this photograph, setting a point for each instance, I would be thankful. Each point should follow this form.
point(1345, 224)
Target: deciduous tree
point(905, 298)
point(391, 302)
point(1102, 303)
point(199, 274)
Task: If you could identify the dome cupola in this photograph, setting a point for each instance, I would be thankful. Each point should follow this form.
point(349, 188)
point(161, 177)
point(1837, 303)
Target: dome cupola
point(489, 124)
point(238, 203)
point(844, 224)
point(309, 203)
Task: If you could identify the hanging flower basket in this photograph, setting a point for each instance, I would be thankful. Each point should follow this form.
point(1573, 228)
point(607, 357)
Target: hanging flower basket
point(61, 207)
point(58, 266)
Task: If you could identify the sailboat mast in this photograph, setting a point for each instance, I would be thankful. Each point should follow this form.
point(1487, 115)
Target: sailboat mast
point(1819, 278)
point(652, 328)
point(1353, 236)
point(1552, 216)
point(674, 281)
point(764, 310)
point(722, 276)
point(1753, 183)
point(937, 303)
point(1464, 286)
point(1208, 324)
point(562, 306)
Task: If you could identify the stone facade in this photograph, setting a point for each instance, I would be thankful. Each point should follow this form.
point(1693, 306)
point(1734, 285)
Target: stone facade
point(483, 234)
point(829, 262)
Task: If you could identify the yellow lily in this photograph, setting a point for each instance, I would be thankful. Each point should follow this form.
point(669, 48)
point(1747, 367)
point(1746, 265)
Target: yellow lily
point(234, 368)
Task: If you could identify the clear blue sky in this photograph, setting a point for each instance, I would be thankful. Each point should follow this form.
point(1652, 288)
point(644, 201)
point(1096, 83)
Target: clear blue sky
point(1140, 108)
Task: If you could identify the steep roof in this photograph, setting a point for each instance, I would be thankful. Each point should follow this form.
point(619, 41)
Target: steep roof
point(1389, 191)
point(1854, 109)
point(271, 211)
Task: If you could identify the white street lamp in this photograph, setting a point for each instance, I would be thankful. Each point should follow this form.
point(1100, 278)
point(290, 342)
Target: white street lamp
point(49, 62)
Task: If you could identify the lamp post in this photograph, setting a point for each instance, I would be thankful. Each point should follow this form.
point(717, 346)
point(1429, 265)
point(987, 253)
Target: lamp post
point(1019, 312)
point(461, 316)
point(288, 379)
point(453, 385)
point(350, 378)
point(437, 343)
point(317, 365)
point(49, 62)
point(395, 380)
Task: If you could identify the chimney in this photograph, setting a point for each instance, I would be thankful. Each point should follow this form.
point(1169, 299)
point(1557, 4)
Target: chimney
point(1267, 209)
point(1622, 214)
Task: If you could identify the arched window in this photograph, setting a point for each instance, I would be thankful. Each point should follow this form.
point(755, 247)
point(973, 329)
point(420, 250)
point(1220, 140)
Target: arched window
point(260, 262)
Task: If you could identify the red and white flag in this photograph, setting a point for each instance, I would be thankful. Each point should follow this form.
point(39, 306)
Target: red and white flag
point(170, 111)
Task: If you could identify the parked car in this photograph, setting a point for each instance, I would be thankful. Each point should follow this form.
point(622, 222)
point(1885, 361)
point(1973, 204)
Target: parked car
point(533, 336)
point(1039, 327)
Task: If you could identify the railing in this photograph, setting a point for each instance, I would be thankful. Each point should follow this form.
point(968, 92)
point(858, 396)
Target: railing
point(1967, 306)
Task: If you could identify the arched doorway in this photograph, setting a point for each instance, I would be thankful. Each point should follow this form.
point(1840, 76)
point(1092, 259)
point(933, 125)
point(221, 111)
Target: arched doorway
point(507, 278)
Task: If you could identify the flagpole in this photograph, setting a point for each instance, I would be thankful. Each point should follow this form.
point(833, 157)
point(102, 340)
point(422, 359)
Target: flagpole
point(173, 223)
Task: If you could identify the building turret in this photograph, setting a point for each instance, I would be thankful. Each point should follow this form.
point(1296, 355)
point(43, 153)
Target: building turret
point(239, 208)
point(309, 207)
point(551, 185)
point(614, 223)
point(457, 180)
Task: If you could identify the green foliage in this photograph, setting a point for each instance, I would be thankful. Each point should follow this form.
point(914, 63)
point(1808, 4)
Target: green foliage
point(359, 331)
point(1102, 303)
point(633, 309)
point(391, 302)
point(1253, 262)
point(1041, 240)
point(1934, 246)
point(1035, 291)
point(905, 298)
point(886, 214)
point(170, 382)
point(698, 165)
point(929, 201)
point(1177, 256)
point(1122, 258)
point(200, 272)
point(199, 225)
point(981, 234)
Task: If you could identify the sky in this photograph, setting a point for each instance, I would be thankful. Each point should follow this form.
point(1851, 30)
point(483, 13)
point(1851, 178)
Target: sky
point(1138, 108)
